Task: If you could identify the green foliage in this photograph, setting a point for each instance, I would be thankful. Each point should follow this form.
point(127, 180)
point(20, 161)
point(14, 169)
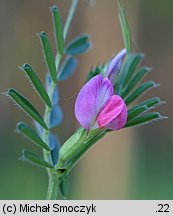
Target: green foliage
point(58, 29)
point(26, 106)
point(78, 45)
point(143, 107)
point(151, 103)
point(139, 91)
point(37, 83)
point(93, 72)
point(134, 81)
point(128, 69)
point(31, 135)
point(135, 111)
point(67, 68)
point(129, 77)
point(143, 119)
point(54, 146)
point(49, 56)
point(124, 27)
point(55, 116)
point(53, 113)
point(35, 159)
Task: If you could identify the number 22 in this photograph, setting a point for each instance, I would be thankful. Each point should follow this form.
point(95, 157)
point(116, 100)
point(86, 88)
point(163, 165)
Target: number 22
point(162, 209)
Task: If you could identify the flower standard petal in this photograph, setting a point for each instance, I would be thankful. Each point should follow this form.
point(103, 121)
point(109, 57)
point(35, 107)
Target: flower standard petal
point(113, 114)
point(115, 65)
point(90, 100)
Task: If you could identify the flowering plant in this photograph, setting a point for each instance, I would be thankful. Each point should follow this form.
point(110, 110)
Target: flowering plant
point(102, 104)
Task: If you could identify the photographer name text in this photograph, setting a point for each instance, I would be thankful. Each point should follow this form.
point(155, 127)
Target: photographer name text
point(48, 208)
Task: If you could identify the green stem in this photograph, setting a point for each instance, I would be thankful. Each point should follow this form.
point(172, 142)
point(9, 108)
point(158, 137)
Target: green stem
point(45, 137)
point(70, 17)
point(53, 186)
point(76, 146)
point(53, 175)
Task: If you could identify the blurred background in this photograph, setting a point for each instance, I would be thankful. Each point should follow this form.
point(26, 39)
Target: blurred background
point(129, 164)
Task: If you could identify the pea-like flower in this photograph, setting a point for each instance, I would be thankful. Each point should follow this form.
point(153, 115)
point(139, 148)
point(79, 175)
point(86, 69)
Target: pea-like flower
point(115, 65)
point(97, 107)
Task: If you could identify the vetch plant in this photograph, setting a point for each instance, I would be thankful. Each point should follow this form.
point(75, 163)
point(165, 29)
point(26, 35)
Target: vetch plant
point(104, 103)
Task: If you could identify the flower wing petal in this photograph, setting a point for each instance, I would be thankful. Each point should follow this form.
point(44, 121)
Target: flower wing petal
point(113, 114)
point(91, 98)
point(120, 121)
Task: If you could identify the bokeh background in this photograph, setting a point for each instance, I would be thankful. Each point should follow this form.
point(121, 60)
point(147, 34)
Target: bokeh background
point(130, 164)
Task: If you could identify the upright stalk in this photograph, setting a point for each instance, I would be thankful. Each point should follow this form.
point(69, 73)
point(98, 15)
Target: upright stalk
point(53, 184)
point(70, 17)
point(52, 174)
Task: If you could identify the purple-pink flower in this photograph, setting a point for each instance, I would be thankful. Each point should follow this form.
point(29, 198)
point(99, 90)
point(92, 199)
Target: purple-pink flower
point(115, 65)
point(97, 107)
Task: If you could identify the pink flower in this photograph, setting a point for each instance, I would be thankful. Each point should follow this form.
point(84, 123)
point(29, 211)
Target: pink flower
point(97, 107)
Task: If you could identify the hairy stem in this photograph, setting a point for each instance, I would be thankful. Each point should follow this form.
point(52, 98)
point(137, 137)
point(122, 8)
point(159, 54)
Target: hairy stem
point(53, 175)
point(45, 137)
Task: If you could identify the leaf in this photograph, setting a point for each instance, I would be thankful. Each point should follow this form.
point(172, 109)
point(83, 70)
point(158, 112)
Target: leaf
point(38, 128)
point(134, 81)
point(26, 106)
point(33, 158)
point(48, 81)
point(49, 56)
point(67, 68)
point(78, 45)
point(139, 91)
point(93, 72)
point(152, 102)
point(124, 27)
point(64, 185)
point(142, 107)
point(55, 96)
point(144, 119)
point(55, 116)
point(55, 155)
point(32, 135)
point(58, 29)
point(54, 146)
point(134, 60)
point(36, 83)
point(135, 111)
point(128, 69)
